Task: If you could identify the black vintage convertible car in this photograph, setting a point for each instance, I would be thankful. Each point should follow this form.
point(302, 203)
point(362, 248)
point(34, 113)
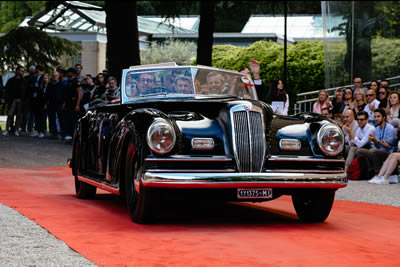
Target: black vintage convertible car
point(202, 130)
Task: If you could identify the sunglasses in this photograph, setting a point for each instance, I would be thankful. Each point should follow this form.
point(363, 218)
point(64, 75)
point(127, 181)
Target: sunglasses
point(348, 93)
point(382, 93)
point(369, 95)
point(146, 80)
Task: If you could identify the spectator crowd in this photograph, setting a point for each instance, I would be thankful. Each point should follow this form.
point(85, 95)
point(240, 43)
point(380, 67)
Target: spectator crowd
point(49, 104)
point(369, 117)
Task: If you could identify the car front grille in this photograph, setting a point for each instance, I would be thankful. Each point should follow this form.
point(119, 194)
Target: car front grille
point(248, 138)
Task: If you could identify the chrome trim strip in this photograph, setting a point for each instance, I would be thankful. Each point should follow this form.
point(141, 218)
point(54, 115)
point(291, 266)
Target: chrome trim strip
point(99, 185)
point(304, 159)
point(224, 180)
point(179, 158)
point(303, 171)
point(191, 170)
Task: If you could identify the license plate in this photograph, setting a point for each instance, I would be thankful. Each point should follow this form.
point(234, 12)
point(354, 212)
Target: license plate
point(264, 193)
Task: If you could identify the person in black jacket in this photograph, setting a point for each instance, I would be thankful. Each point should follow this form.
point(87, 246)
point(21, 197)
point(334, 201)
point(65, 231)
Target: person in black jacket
point(2, 101)
point(15, 91)
point(38, 103)
point(71, 107)
point(54, 99)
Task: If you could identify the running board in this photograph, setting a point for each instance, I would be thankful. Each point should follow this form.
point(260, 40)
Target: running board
point(99, 185)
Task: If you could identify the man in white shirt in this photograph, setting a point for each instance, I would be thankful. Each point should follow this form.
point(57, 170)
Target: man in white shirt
point(372, 104)
point(360, 139)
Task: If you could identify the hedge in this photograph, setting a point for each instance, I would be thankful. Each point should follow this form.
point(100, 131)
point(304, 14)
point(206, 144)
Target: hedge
point(306, 63)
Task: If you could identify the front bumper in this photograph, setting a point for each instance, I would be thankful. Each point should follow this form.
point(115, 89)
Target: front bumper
point(246, 180)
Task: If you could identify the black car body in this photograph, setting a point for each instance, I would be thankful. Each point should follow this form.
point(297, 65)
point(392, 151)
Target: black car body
point(219, 141)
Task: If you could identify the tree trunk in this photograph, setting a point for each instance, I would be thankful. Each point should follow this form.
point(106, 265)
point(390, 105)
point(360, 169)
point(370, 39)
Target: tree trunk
point(122, 36)
point(206, 31)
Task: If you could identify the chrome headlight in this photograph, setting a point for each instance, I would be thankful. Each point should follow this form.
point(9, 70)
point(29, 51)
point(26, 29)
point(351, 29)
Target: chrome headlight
point(330, 139)
point(161, 136)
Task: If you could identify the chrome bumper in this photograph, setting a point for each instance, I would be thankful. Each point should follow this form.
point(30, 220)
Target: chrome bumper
point(248, 180)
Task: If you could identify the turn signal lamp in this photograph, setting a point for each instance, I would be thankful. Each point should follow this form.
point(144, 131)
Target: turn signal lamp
point(202, 143)
point(290, 145)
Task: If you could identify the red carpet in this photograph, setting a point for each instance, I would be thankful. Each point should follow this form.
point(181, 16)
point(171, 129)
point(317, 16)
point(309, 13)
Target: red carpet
point(266, 234)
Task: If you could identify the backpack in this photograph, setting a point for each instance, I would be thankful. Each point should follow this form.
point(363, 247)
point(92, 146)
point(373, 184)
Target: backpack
point(359, 169)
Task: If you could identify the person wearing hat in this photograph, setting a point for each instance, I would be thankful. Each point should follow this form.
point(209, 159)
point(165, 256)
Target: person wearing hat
point(71, 106)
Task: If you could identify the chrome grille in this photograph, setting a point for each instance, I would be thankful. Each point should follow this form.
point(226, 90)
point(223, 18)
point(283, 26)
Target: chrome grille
point(248, 138)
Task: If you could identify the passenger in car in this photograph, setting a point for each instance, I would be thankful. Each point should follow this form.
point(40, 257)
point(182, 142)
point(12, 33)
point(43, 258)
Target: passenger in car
point(183, 85)
point(215, 82)
point(131, 86)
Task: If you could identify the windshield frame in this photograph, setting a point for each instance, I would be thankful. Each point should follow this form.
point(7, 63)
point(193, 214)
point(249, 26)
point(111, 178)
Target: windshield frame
point(241, 81)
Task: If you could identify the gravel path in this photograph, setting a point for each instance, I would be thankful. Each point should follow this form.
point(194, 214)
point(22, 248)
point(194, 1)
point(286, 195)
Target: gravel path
point(24, 243)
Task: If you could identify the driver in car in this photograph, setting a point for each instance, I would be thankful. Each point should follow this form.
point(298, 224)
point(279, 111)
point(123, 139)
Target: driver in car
point(146, 82)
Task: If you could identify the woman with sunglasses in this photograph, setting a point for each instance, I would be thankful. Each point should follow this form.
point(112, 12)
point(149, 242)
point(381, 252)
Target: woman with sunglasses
point(383, 98)
point(348, 99)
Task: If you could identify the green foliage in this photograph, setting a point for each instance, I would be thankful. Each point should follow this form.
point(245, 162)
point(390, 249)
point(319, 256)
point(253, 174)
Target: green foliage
point(336, 60)
point(12, 13)
point(32, 46)
point(172, 50)
point(385, 58)
point(305, 63)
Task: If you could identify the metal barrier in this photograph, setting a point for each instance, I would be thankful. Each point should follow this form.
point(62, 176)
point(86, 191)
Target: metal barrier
point(307, 99)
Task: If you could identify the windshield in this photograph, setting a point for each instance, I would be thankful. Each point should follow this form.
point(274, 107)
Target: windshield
point(184, 81)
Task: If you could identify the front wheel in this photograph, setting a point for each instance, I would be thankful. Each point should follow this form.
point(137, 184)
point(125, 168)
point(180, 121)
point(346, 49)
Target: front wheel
point(139, 203)
point(313, 205)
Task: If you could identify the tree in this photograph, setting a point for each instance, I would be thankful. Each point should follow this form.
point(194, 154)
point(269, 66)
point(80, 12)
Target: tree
point(32, 46)
point(181, 52)
point(122, 36)
point(206, 31)
point(13, 12)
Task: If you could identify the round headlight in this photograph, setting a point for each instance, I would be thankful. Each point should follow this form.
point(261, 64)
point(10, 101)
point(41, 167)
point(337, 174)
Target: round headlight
point(330, 139)
point(161, 136)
